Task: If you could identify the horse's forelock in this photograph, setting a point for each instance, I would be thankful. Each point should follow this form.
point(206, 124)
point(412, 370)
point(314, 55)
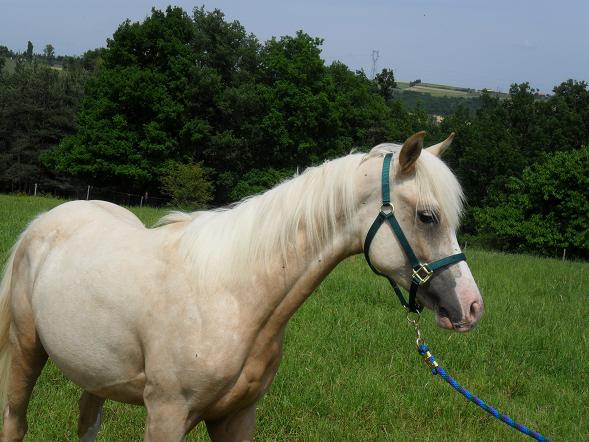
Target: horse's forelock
point(435, 183)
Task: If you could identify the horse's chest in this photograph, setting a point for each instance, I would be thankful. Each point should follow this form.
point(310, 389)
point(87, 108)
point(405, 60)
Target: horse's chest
point(254, 379)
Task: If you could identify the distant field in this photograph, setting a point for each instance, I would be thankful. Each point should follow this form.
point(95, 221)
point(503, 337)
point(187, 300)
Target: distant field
point(351, 372)
point(10, 65)
point(440, 90)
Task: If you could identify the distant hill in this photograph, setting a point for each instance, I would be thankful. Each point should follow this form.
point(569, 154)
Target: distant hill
point(442, 90)
point(436, 99)
point(443, 100)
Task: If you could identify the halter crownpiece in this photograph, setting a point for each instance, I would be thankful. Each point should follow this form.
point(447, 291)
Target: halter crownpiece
point(422, 272)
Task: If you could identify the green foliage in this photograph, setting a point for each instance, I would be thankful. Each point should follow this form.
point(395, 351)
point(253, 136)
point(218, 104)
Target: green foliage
point(200, 89)
point(37, 108)
point(257, 181)
point(133, 106)
point(29, 53)
point(434, 105)
point(5, 52)
point(188, 185)
point(506, 136)
point(49, 53)
point(547, 209)
point(385, 82)
point(179, 88)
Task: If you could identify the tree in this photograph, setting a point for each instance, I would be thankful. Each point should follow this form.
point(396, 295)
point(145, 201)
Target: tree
point(29, 53)
point(257, 181)
point(134, 108)
point(545, 210)
point(49, 53)
point(565, 117)
point(202, 90)
point(5, 52)
point(37, 107)
point(385, 82)
point(188, 185)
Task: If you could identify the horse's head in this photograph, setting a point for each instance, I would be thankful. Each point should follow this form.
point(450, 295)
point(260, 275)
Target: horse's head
point(426, 201)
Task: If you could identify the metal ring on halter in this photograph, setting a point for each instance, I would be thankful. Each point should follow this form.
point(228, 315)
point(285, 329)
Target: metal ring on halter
point(387, 209)
point(412, 317)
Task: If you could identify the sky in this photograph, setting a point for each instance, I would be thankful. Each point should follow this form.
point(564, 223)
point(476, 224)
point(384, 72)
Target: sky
point(469, 43)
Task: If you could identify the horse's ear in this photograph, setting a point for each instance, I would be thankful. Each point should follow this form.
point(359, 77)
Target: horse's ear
point(410, 151)
point(438, 149)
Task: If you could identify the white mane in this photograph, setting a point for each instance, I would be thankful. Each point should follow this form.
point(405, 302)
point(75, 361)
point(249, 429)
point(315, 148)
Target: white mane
point(261, 228)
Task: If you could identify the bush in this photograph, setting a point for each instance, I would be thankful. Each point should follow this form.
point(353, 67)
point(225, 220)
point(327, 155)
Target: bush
point(257, 181)
point(188, 185)
point(546, 210)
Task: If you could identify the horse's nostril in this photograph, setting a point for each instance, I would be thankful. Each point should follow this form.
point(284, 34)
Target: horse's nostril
point(475, 310)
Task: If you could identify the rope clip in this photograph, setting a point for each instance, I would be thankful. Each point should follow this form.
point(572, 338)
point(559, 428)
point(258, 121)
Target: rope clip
point(413, 320)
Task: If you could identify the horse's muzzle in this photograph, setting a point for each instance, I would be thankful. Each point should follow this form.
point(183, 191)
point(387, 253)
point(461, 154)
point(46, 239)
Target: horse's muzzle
point(465, 324)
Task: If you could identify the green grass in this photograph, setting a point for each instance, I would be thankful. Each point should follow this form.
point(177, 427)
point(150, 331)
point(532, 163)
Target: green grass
point(437, 90)
point(350, 370)
point(441, 92)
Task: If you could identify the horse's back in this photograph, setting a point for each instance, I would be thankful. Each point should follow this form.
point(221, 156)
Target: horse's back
point(77, 213)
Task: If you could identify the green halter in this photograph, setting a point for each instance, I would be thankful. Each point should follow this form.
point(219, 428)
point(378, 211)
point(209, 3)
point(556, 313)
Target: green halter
point(422, 272)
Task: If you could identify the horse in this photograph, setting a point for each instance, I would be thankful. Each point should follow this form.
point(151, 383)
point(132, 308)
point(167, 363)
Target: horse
point(188, 318)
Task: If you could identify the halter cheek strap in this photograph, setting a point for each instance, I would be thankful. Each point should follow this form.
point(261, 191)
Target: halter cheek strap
point(422, 272)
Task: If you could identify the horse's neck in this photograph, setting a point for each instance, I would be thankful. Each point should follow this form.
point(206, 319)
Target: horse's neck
point(270, 271)
point(283, 286)
point(291, 282)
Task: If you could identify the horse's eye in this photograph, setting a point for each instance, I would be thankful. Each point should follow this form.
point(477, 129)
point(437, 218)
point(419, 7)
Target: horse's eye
point(427, 217)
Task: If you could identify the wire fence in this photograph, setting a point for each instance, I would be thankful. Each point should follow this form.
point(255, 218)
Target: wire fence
point(88, 193)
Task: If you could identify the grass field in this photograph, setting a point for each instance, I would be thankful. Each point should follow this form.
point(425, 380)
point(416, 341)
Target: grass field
point(350, 370)
point(440, 90)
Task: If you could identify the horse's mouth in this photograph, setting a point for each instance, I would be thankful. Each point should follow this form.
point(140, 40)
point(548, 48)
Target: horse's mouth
point(443, 320)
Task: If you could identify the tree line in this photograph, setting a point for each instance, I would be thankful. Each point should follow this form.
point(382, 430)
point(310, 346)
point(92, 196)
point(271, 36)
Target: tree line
point(195, 107)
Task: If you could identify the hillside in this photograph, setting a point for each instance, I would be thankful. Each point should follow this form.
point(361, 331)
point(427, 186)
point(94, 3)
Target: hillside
point(442, 90)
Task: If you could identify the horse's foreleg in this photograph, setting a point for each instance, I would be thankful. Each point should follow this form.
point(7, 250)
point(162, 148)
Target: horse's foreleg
point(28, 359)
point(237, 427)
point(90, 416)
point(166, 422)
point(169, 416)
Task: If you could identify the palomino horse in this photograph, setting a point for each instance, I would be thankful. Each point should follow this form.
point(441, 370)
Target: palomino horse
point(188, 318)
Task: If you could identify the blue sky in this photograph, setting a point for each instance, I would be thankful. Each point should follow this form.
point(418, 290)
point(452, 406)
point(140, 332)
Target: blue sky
point(469, 43)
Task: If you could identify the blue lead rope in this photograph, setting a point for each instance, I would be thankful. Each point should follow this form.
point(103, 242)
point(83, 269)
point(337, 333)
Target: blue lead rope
point(436, 369)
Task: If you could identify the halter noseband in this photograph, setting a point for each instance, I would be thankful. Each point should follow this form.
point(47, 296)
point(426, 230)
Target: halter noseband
point(422, 272)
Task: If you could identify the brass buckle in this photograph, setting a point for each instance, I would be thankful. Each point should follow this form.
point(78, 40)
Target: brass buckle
point(387, 209)
point(422, 274)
